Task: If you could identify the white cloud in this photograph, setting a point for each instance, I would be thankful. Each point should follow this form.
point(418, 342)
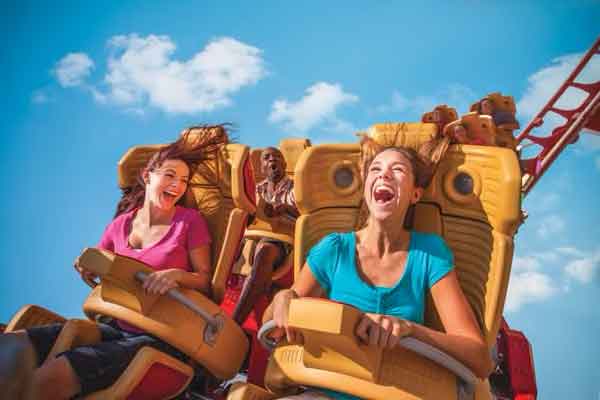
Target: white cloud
point(550, 225)
point(535, 277)
point(142, 71)
point(527, 283)
point(570, 251)
point(319, 105)
point(73, 69)
point(528, 287)
point(524, 264)
point(455, 95)
point(584, 269)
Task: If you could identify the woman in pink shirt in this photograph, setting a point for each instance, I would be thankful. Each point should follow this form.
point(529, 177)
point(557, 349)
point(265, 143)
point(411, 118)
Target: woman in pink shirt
point(151, 227)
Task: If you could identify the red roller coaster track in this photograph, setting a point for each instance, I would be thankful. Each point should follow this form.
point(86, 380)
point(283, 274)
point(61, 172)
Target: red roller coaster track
point(585, 116)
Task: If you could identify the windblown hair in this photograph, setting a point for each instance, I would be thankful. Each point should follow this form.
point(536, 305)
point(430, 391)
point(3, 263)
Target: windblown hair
point(423, 163)
point(197, 145)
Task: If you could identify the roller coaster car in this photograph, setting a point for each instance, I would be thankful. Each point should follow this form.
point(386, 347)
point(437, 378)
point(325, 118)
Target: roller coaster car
point(219, 188)
point(441, 115)
point(263, 227)
point(480, 129)
point(504, 115)
point(473, 202)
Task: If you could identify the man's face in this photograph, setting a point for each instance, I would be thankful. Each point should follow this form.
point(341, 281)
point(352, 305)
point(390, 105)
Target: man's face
point(273, 164)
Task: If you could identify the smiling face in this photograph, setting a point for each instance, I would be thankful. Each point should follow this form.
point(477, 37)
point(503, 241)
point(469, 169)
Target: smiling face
point(273, 164)
point(166, 184)
point(390, 186)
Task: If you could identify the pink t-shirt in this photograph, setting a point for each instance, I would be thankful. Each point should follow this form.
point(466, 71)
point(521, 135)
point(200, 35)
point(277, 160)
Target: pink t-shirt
point(188, 231)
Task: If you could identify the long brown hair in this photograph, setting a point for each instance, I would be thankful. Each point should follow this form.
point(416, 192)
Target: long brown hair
point(196, 145)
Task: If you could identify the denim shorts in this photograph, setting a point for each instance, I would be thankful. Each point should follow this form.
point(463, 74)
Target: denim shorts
point(99, 365)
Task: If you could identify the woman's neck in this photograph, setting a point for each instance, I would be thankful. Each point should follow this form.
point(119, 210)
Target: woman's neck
point(151, 215)
point(384, 236)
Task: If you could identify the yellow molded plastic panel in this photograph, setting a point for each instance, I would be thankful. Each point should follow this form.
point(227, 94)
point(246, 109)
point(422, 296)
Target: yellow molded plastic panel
point(331, 357)
point(473, 201)
point(405, 134)
point(32, 315)
point(502, 103)
point(120, 296)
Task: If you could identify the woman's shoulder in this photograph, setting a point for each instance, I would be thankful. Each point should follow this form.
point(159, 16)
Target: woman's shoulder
point(122, 218)
point(189, 214)
point(432, 243)
point(331, 244)
point(337, 238)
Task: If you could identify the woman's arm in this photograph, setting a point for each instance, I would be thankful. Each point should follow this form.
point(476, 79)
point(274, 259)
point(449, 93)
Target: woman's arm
point(201, 276)
point(305, 285)
point(462, 339)
point(160, 282)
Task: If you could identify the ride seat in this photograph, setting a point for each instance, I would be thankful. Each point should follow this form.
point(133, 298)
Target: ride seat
point(275, 228)
point(222, 188)
point(479, 127)
point(505, 120)
point(473, 201)
point(263, 227)
point(500, 102)
point(441, 115)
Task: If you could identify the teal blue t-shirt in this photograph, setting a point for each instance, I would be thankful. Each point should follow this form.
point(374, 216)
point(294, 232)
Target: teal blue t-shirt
point(333, 263)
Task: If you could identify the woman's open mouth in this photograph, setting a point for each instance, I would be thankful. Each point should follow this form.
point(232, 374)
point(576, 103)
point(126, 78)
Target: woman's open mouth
point(383, 195)
point(170, 195)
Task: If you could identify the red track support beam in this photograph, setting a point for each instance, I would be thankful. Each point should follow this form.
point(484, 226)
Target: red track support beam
point(586, 115)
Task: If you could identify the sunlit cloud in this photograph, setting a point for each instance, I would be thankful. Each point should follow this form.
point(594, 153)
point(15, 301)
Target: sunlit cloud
point(529, 287)
point(73, 69)
point(584, 269)
point(538, 277)
point(142, 72)
point(318, 106)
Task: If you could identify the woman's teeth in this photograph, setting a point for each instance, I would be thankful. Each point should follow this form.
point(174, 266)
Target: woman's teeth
point(383, 195)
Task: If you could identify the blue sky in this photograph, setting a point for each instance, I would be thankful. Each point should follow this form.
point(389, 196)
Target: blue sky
point(82, 83)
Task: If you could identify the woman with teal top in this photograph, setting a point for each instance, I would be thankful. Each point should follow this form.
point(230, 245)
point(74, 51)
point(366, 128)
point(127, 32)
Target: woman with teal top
point(385, 270)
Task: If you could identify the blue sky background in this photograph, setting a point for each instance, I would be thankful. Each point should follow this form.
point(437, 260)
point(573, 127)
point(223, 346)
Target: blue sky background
point(84, 82)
